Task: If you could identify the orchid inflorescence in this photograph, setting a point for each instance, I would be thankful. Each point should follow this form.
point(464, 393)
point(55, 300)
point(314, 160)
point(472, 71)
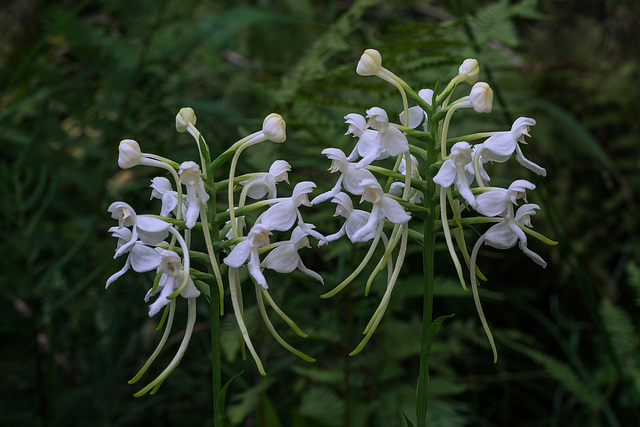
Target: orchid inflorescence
point(428, 158)
point(423, 174)
point(164, 242)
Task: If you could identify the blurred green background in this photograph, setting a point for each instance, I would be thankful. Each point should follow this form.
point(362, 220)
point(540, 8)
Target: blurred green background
point(77, 77)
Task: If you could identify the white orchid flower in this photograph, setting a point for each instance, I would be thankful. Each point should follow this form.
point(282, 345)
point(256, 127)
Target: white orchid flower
point(257, 237)
point(172, 276)
point(355, 220)
point(367, 138)
point(283, 213)
point(162, 190)
point(389, 138)
point(383, 207)
point(500, 201)
point(350, 177)
point(500, 146)
point(503, 235)
point(265, 183)
point(148, 229)
point(453, 171)
point(196, 194)
point(141, 257)
point(506, 234)
point(285, 258)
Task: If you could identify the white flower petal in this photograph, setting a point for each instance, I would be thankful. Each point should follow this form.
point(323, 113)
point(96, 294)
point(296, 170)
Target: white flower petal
point(446, 175)
point(499, 147)
point(143, 258)
point(394, 141)
point(416, 116)
point(500, 236)
point(238, 255)
point(283, 259)
point(393, 211)
point(528, 163)
point(152, 230)
point(492, 203)
point(280, 216)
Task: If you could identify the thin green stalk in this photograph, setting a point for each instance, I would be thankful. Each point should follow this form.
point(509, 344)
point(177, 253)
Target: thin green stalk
point(215, 347)
point(216, 301)
point(428, 254)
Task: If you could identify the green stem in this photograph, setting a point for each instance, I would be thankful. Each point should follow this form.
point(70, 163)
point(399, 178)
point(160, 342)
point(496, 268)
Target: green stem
point(216, 300)
point(215, 348)
point(428, 254)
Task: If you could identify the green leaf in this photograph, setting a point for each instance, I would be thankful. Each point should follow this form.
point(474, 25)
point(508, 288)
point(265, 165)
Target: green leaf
point(407, 420)
point(220, 400)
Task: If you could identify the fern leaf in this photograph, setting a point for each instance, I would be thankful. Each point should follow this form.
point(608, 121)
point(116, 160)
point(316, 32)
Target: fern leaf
point(633, 272)
point(619, 327)
point(562, 373)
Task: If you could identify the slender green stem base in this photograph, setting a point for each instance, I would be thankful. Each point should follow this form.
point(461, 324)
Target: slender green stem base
point(215, 349)
point(428, 254)
point(427, 316)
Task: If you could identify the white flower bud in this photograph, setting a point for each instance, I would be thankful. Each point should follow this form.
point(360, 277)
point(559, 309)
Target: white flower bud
point(185, 116)
point(370, 63)
point(469, 71)
point(274, 128)
point(129, 154)
point(481, 97)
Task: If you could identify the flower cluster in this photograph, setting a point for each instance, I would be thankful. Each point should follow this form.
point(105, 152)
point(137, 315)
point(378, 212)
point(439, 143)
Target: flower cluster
point(432, 176)
point(165, 242)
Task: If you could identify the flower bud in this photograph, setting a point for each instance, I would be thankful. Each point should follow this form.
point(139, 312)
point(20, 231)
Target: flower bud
point(185, 116)
point(469, 71)
point(370, 63)
point(129, 154)
point(481, 97)
point(274, 128)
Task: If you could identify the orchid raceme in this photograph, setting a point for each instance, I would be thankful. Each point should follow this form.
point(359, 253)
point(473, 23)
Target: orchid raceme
point(453, 187)
point(167, 243)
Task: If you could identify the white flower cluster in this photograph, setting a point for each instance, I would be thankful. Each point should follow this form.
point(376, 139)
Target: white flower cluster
point(191, 207)
point(459, 163)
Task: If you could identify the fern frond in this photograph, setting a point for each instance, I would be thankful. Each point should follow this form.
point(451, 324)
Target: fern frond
point(633, 272)
point(618, 326)
point(562, 373)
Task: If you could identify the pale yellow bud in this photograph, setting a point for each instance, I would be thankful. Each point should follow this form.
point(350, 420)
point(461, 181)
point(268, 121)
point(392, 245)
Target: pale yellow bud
point(481, 97)
point(185, 116)
point(370, 63)
point(274, 128)
point(129, 154)
point(469, 71)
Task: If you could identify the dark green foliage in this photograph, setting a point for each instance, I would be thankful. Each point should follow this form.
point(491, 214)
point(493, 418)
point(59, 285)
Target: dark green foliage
point(77, 77)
